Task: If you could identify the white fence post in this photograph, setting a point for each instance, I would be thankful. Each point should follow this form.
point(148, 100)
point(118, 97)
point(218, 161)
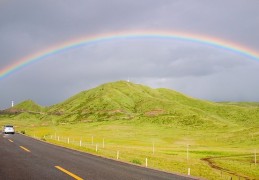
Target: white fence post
point(189, 171)
point(118, 154)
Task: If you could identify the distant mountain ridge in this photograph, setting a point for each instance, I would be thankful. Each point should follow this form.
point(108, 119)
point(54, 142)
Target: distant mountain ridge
point(129, 101)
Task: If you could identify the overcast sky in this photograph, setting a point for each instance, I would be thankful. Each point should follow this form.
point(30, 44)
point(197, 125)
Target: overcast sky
point(198, 70)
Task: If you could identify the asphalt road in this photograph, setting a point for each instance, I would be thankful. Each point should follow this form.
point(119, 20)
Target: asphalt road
point(22, 157)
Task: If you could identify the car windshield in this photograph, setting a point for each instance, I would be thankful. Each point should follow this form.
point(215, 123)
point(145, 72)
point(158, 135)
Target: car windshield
point(9, 126)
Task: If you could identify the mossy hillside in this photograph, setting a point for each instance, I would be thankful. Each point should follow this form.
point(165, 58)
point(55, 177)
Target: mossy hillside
point(129, 101)
point(125, 100)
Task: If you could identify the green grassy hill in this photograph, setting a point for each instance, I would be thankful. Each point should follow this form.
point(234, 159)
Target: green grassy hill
point(125, 100)
point(29, 105)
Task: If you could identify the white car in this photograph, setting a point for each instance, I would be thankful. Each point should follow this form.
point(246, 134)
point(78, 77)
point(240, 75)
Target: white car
point(8, 129)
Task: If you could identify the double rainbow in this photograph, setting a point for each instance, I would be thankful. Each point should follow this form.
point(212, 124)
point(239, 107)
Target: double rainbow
point(99, 38)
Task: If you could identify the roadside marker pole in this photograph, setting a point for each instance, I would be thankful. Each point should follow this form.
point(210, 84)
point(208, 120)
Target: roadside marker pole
point(96, 148)
point(118, 154)
point(80, 142)
point(189, 169)
point(146, 162)
point(68, 140)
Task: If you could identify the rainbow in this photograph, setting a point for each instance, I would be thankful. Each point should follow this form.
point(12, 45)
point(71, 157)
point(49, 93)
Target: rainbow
point(89, 40)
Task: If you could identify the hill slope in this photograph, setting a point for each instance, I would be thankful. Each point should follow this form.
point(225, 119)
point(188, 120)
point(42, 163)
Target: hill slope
point(124, 100)
point(128, 101)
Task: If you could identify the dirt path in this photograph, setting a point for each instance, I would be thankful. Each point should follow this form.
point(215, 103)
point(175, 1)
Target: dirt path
point(213, 165)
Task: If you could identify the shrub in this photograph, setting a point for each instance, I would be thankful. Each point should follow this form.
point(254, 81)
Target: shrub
point(136, 161)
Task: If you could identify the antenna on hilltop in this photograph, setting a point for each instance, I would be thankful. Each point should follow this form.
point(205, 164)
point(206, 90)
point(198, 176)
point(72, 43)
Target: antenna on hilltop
point(12, 103)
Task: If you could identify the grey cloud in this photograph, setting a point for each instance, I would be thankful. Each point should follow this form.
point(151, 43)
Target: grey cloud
point(198, 70)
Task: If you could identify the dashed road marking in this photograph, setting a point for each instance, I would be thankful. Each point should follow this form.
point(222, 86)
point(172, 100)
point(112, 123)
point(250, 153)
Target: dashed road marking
point(69, 173)
point(25, 149)
point(10, 140)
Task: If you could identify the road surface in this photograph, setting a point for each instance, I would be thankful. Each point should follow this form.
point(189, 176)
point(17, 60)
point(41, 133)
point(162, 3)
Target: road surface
point(22, 157)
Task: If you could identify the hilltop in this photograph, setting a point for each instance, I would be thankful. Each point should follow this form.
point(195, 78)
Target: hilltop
point(29, 105)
